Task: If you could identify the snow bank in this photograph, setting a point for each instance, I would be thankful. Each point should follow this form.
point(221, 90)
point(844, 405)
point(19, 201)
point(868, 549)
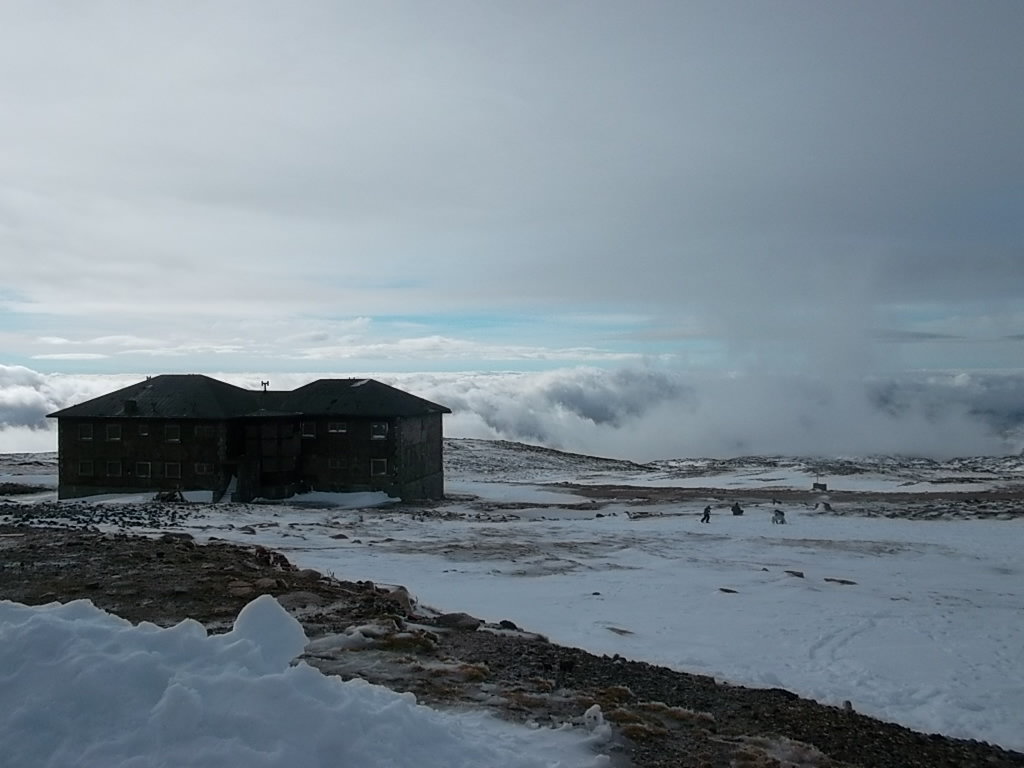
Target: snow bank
point(80, 687)
point(344, 500)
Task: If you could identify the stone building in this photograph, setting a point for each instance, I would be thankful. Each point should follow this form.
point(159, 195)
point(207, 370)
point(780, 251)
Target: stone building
point(192, 432)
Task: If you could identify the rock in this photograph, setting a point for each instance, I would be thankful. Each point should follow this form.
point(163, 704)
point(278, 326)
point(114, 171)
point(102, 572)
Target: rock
point(239, 588)
point(461, 621)
point(798, 574)
point(175, 536)
point(506, 624)
point(400, 596)
point(840, 581)
point(309, 573)
point(293, 600)
point(727, 590)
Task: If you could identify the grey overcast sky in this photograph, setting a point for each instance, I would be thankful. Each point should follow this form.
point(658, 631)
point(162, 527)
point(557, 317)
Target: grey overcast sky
point(511, 185)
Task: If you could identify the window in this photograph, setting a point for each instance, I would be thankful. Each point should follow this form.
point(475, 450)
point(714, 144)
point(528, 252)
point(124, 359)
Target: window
point(85, 468)
point(143, 430)
point(309, 429)
point(378, 430)
point(113, 469)
point(204, 468)
point(335, 462)
point(113, 431)
point(85, 431)
point(205, 431)
point(378, 467)
point(337, 426)
point(142, 469)
point(172, 469)
point(172, 433)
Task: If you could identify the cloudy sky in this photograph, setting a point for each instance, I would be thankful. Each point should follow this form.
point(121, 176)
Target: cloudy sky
point(624, 200)
point(511, 185)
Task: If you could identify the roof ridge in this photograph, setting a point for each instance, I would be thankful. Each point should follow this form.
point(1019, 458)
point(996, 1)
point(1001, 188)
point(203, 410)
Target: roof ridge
point(198, 395)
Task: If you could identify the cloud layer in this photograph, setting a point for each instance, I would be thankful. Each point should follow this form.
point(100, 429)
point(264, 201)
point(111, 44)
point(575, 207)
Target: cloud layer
point(643, 413)
point(511, 184)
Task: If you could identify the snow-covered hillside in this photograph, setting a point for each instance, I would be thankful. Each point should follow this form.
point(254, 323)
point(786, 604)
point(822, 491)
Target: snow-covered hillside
point(517, 462)
point(904, 596)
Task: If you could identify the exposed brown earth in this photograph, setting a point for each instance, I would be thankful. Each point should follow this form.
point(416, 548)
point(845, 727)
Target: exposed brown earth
point(661, 717)
point(16, 489)
point(656, 495)
point(1002, 504)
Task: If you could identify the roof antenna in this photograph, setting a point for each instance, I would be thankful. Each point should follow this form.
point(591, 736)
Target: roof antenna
point(264, 384)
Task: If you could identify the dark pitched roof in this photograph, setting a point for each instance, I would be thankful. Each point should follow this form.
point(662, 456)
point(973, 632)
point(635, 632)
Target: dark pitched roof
point(357, 397)
point(270, 404)
point(194, 396)
point(171, 396)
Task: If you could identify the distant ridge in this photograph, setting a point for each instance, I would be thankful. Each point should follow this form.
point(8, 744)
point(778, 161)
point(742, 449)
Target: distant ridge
point(511, 461)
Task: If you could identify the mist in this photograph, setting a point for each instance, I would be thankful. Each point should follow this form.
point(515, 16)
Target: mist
point(643, 413)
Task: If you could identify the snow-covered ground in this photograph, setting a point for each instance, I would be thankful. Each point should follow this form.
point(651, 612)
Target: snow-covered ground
point(84, 688)
point(913, 621)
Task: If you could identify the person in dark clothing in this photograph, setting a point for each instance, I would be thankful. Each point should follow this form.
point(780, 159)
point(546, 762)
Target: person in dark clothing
point(736, 508)
point(707, 515)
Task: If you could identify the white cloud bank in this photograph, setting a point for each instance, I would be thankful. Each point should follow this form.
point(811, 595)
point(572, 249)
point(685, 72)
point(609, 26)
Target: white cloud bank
point(643, 413)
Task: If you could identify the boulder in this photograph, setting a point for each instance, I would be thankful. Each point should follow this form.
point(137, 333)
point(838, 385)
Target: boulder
point(461, 621)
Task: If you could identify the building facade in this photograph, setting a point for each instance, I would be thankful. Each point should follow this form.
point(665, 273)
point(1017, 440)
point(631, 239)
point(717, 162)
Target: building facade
point(191, 432)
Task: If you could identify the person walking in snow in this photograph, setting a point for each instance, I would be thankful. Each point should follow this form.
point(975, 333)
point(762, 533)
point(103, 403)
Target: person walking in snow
point(707, 514)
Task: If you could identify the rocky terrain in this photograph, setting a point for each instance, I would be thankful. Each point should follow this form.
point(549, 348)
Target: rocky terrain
point(661, 717)
point(51, 551)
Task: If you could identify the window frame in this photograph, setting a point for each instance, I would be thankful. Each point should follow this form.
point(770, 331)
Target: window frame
point(337, 427)
point(112, 433)
point(374, 463)
point(85, 431)
point(86, 469)
point(146, 473)
point(114, 464)
point(172, 433)
point(307, 429)
point(379, 430)
point(203, 468)
point(176, 473)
